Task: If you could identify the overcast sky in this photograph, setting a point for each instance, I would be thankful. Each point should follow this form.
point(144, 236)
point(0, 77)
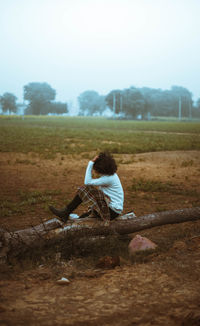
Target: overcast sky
point(78, 45)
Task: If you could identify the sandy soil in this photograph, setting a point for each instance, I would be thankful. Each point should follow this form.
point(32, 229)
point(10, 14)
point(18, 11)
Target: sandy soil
point(162, 291)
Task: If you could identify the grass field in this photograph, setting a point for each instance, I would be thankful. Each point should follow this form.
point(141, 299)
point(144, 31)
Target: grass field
point(50, 135)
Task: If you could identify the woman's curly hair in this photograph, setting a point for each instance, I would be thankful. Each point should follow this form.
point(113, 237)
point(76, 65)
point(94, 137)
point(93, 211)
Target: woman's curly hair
point(105, 164)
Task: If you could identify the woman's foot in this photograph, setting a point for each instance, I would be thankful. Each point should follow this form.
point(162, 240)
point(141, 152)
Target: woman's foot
point(62, 214)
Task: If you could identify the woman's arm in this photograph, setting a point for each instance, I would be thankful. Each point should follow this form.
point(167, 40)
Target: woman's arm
point(102, 181)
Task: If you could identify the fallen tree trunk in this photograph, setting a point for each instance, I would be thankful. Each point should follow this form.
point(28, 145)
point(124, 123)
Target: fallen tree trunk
point(126, 226)
point(51, 230)
point(23, 239)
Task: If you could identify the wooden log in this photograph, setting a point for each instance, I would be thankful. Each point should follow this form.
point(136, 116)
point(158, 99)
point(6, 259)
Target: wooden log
point(130, 225)
point(90, 227)
point(22, 239)
point(158, 219)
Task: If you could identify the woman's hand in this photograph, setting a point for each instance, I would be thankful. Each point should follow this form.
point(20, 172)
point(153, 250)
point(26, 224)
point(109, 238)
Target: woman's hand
point(95, 158)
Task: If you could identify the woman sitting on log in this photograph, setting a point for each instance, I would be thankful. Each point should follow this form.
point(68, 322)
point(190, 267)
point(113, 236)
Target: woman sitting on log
point(105, 192)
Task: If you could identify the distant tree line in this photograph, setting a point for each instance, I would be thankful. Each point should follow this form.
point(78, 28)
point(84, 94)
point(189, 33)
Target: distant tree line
point(141, 102)
point(8, 102)
point(40, 97)
point(129, 103)
point(91, 103)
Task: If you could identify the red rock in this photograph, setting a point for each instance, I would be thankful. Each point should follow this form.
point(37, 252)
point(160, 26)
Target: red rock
point(139, 243)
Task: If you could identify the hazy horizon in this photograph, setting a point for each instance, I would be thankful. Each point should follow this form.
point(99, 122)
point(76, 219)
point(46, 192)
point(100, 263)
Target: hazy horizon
point(99, 45)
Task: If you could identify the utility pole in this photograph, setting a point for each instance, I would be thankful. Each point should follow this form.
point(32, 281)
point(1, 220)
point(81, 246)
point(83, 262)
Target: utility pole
point(121, 103)
point(179, 108)
point(114, 104)
point(190, 110)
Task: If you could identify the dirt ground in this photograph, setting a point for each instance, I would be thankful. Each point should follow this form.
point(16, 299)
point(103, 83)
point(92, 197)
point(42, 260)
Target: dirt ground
point(164, 290)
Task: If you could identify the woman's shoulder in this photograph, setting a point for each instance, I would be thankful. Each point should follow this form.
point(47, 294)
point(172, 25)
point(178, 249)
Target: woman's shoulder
point(112, 177)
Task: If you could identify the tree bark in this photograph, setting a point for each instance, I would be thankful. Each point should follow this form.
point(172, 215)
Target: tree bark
point(53, 230)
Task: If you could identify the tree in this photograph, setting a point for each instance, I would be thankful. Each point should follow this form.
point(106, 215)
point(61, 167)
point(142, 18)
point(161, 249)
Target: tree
point(39, 96)
point(133, 102)
point(167, 102)
point(91, 103)
point(58, 107)
point(182, 101)
point(130, 101)
point(151, 97)
point(198, 103)
point(8, 102)
point(114, 100)
point(196, 109)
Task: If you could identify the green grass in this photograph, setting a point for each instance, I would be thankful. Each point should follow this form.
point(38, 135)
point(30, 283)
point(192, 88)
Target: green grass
point(50, 135)
point(155, 186)
point(26, 201)
point(151, 185)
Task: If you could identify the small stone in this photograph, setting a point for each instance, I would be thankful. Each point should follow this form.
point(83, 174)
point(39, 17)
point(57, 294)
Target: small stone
point(63, 281)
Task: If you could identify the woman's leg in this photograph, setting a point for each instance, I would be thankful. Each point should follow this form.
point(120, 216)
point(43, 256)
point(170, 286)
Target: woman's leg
point(64, 213)
point(98, 199)
point(86, 194)
point(113, 214)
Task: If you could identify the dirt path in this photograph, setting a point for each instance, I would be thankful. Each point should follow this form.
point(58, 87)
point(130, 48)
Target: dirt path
point(163, 290)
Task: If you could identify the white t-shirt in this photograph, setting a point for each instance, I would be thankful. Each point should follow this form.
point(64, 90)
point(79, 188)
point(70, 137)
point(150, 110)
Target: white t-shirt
point(110, 185)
